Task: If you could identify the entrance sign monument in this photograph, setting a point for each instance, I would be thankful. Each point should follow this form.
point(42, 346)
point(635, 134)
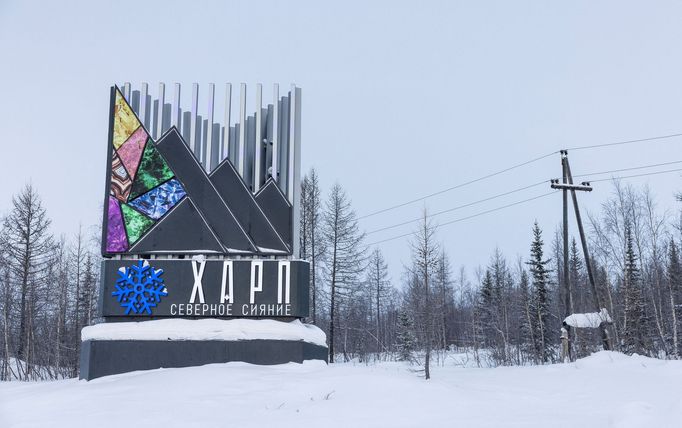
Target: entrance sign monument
point(201, 221)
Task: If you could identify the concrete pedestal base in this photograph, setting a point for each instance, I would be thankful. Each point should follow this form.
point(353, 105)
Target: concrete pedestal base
point(106, 357)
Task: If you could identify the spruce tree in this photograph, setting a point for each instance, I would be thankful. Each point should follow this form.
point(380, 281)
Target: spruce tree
point(405, 341)
point(575, 268)
point(635, 325)
point(540, 295)
point(483, 309)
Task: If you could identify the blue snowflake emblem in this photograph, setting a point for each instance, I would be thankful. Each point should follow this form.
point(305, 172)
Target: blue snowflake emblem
point(139, 288)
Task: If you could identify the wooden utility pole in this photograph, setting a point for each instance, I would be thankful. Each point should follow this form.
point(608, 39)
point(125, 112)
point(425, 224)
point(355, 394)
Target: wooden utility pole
point(568, 298)
point(566, 186)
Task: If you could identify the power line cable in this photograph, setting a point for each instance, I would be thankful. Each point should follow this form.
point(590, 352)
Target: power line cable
point(523, 201)
point(628, 169)
point(393, 226)
point(458, 207)
point(458, 185)
point(618, 143)
point(468, 217)
point(636, 175)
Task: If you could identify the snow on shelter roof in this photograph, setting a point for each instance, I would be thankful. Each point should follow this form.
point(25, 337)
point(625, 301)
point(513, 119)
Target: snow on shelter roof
point(588, 320)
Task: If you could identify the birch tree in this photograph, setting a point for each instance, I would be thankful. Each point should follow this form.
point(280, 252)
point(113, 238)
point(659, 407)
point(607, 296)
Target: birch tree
point(344, 262)
point(425, 256)
point(674, 280)
point(29, 246)
point(378, 288)
point(445, 299)
point(312, 248)
point(6, 303)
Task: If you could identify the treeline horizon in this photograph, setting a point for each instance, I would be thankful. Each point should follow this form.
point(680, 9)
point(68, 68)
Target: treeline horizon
point(509, 312)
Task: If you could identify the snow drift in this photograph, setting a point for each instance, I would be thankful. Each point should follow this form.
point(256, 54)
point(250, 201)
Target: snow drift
point(607, 389)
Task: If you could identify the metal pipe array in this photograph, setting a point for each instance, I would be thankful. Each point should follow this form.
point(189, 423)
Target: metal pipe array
point(260, 145)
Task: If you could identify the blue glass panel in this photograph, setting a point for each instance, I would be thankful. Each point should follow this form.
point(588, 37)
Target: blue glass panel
point(159, 200)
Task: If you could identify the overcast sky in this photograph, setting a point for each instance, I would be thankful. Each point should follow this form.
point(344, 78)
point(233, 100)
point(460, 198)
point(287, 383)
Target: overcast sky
point(400, 99)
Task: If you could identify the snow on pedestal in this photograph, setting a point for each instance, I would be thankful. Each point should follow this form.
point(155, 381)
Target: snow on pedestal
point(206, 329)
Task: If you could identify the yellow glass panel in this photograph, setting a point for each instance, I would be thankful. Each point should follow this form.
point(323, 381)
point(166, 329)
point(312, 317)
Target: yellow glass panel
point(125, 121)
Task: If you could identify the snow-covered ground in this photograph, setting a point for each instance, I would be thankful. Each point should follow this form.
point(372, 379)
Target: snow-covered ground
point(604, 390)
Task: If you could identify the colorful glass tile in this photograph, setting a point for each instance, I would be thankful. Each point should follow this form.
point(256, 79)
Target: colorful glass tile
point(136, 223)
point(116, 234)
point(120, 180)
point(159, 200)
point(125, 121)
point(131, 151)
point(152, 171)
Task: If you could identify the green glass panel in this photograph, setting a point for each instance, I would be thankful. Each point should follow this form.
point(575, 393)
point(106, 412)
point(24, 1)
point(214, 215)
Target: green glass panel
point(152, 171)
point(136, 223)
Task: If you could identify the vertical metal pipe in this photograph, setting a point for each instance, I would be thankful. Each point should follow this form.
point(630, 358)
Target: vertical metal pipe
point(149, 113)
point(233, 143)
point(199, 139)
point(215, 146)
point(126, 91)
point(250, 155)
point(284, 146)
point(159, 112)
point(167, 116)
point(295, 166)
point(225, 143)
point(291, 189)
point(135, 102)
point(203, 123)
point(193, 119)
point(242, 129)
point(267, 141)
point(257, 173)
point(275, 132)
point(143, 104)
point(153, 125)
point(175, 112)
point(186, 119)
point(209, 131)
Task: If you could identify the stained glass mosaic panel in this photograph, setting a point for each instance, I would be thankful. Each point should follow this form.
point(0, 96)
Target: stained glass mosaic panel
point(136, 223)
point(125, 121)
point(131, 151)
point(116, 235)
point(120, 181)
point(159, 200)
point(152, 171)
